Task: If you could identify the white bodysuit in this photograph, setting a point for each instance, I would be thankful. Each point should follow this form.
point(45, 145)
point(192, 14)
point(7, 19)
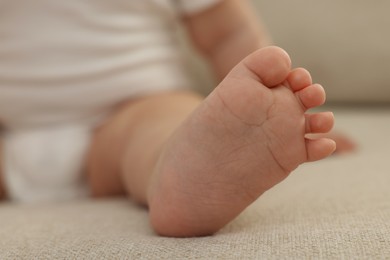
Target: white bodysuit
point(64, 65)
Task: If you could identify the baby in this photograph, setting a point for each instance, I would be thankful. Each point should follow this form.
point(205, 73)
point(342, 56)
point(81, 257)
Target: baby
point(99, 88)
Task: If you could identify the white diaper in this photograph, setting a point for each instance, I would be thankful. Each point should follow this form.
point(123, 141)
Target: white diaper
point(46, 164)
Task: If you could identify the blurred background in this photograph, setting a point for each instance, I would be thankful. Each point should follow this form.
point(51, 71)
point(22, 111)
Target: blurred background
point(344, 44)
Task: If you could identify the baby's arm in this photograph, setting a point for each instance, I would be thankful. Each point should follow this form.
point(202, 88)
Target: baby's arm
point(226, 33)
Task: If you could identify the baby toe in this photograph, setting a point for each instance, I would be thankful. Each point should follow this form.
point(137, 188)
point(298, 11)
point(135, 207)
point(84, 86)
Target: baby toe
point(319, 122)
point(311, 96)
point(298, 79)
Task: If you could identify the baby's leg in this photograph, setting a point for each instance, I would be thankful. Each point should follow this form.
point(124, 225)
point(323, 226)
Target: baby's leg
point(198, 174)
point(126, 148)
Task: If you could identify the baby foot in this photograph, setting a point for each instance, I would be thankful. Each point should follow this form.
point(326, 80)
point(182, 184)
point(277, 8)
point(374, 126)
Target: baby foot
point(246, 137)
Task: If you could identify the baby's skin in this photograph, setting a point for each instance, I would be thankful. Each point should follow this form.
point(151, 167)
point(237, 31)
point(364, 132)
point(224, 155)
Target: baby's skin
point(248, 135)
point(244, 138)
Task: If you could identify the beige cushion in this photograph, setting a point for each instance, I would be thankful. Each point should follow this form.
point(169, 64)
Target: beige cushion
point(337, 208)
point(345, 44)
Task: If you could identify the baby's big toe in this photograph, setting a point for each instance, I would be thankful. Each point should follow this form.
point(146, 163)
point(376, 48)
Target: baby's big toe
point(269, 65)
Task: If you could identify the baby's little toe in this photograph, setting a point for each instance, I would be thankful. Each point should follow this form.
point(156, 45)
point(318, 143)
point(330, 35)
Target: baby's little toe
point(318, 149)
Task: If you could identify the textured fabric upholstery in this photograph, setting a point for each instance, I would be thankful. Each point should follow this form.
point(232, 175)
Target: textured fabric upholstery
point(336, 208)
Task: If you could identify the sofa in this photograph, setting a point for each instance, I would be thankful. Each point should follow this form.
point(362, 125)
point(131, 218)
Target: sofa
point(338, 208)
point(334, 209)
